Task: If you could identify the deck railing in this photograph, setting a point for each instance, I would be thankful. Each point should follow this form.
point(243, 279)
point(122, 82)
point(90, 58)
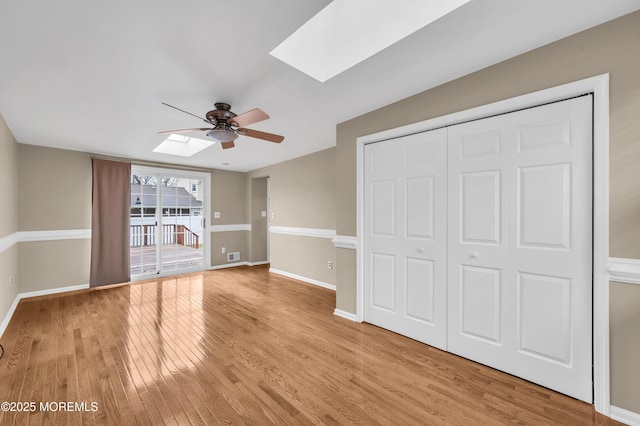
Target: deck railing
point(146, 235)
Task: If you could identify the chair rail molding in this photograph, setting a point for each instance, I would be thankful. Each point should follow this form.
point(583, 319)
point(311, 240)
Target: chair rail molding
point(53, 235)
point(9, 241)
point(624, 270)
point(303, 232)
point(345, 242)
point(230, 228)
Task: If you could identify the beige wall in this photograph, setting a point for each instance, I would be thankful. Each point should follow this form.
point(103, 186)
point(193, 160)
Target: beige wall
point(8, 217)
point(259, 231)
point(302, 194)
point(303, 256)
point(54, 194)
point(232, 241)
point(229, 197)
point(55, 189)
point(609, 48)
point(9, 179)
point(303, 190)
point(45, 265)
point(625, 345)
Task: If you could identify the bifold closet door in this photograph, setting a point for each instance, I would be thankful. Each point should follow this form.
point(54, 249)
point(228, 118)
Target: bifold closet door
point(520, 244)
point(405, 237)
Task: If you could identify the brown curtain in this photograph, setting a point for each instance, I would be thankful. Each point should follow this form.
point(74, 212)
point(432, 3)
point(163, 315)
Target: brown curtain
point(110, 223)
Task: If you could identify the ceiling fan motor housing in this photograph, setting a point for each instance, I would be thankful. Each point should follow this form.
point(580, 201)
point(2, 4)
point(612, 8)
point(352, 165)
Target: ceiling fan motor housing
point(221, 113)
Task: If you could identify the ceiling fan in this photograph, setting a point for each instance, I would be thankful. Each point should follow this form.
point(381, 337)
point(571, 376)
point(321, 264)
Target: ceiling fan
point(227, 125)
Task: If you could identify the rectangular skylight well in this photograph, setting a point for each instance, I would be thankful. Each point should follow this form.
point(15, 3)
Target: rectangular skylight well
point(347, 32)
point(183, 146)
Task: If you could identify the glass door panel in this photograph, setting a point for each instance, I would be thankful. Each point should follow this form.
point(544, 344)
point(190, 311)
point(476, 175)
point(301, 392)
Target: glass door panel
point(143, 223)
point(182, 224)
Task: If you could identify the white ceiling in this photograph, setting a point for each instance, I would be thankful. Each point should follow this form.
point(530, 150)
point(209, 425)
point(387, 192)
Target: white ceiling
point(90, 76)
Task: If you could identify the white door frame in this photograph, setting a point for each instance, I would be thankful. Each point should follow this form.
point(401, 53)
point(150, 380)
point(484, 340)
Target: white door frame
point(599, 86)
point(206, 213)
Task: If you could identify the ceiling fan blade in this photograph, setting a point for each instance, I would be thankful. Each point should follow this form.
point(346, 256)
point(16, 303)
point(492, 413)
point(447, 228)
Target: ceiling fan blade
point(187, 112)
point(260, 135)
point(184, 130)
point(227, 145)
point(248, 117)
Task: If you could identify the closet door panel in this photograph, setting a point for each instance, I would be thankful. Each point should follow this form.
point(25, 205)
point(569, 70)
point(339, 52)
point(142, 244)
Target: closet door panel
point(405, 240)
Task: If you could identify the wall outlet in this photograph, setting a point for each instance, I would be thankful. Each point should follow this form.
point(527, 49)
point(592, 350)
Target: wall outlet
point(224, 250)
point(10, 280)
point(330, 264)
point(216, 215)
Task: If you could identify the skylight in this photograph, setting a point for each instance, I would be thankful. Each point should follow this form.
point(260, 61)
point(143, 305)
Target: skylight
point(182, 145)
point(347, 32)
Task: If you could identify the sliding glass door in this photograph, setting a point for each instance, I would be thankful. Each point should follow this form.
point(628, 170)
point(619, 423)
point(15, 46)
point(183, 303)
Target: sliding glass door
point(167, 221)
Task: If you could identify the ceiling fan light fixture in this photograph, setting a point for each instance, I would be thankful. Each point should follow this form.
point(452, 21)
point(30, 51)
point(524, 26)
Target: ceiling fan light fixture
point(222, 135)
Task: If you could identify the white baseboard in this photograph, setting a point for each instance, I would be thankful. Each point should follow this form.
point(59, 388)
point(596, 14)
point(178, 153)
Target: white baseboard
point(234, 264)
point(344, 314)
point(21, 296)
point(230, 265)
point(53, 291)
point(624, 416)
point(303, 279)
point(7, 318)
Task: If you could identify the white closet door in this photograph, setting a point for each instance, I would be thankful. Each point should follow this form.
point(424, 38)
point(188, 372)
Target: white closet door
point(478, 240)
point(551, 245)
point(520, 251)
point(405, 238)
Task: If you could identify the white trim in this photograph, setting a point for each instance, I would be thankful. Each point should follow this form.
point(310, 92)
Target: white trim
point(7, 318)
point(625, 416)
point(29, 294)
point(229, 265)
point(624, 270)
point(303, 279)
point(31, 236)
point(345, 242)
point(9, 241)
point(53, 291)
point(234, 264)
point(303, 232)
point(344, 314)
point(599, 86)
point(601, 378)
point(61, 234)
point(230, 228)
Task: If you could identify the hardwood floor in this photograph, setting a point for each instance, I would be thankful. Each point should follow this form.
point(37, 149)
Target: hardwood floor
point(242, 346)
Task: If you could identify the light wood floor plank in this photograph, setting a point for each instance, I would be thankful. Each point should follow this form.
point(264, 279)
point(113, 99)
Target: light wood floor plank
point(244, 347)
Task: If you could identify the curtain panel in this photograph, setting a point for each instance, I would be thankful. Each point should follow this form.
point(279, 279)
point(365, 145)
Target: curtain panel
point(110, 223)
